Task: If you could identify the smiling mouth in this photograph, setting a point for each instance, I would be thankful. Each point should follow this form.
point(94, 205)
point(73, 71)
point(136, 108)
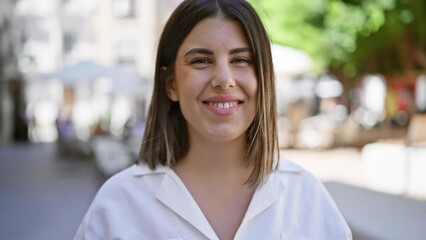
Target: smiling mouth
point(222, 105)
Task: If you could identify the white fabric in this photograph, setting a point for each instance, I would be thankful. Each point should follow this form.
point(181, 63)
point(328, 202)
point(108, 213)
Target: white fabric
point(139, 203)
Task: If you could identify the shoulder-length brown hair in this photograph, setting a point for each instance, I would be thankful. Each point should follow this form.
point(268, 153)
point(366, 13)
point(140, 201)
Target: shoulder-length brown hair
point(166, 139)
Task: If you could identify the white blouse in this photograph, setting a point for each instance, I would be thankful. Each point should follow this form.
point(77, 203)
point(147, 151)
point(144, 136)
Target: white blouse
point(139, 203)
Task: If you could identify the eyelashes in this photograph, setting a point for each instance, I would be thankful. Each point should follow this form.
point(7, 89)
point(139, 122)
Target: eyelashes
point(201, 60)
point(242, 60)
point(204, 61)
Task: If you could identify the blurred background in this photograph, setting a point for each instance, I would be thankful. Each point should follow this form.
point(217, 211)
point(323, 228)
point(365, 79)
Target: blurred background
point(76, 78)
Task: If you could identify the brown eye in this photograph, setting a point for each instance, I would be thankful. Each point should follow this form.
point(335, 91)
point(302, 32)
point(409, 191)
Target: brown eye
point(241, 60)
point(200, 61)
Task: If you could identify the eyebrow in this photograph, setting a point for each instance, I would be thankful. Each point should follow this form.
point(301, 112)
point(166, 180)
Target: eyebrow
point(239, 50)
point(199, 50)
point(209, 52)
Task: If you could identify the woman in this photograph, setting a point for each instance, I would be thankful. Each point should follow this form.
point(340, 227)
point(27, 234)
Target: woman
point(209, 165)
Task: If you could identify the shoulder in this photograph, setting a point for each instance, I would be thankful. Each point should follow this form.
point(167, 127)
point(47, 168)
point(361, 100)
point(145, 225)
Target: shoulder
point(286, 165)
point(292, 172)
point(114, 206)
point(116, 181)
point(299, 182)
point(310, 203)
point(137, 176)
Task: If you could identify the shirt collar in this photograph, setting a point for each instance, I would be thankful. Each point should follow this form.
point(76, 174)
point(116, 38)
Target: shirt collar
point(143, 169)
point(264, 196)
point(173, 193)
point(286, 165)
point(271, 190)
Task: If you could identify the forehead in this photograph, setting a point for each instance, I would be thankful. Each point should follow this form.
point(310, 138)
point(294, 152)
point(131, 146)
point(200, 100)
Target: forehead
point(216, 33)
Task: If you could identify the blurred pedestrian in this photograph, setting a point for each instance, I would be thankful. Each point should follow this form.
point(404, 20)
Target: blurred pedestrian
point(209, 165)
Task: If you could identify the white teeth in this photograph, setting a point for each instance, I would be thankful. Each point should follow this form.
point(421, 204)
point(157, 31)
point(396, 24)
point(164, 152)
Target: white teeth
point(223, 105)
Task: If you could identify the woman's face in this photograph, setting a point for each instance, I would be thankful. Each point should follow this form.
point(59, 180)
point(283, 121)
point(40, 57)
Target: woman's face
point(215, 81)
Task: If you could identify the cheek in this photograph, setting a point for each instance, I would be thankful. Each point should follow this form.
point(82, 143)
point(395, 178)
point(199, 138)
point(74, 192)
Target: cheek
point(190, 85)
point(249, 84)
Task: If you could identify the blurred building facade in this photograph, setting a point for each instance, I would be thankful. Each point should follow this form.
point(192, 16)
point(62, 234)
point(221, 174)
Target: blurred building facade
point(8, 69)
point(40, 37)
point(56, 33)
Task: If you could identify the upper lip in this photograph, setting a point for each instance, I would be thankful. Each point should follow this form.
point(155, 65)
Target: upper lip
point(223, 99)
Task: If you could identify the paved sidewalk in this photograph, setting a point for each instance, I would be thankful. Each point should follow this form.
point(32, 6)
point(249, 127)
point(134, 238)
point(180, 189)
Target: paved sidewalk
point(373, 215)
point(340, 165)
point(44, 196)
point(370, 214)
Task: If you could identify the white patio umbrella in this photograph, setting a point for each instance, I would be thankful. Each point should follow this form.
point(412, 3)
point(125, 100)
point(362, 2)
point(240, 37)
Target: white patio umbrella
point(289, 61)
point(90, 71)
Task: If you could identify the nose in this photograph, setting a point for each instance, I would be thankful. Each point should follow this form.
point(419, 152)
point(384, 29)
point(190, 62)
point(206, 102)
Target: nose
point(222, 78)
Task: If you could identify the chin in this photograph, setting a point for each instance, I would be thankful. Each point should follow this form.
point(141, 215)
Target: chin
point(226, 137)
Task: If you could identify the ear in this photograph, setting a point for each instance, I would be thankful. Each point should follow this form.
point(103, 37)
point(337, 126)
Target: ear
point(170, 85)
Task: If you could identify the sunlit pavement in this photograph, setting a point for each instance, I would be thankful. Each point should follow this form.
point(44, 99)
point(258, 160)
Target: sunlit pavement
point(370, 214)
point(340, 165)
point(44, 196)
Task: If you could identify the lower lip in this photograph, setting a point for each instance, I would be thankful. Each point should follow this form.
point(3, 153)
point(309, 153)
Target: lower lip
point(223, 111)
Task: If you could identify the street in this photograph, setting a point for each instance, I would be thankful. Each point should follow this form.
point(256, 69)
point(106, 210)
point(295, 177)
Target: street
point(370, 214)
point(44, 196)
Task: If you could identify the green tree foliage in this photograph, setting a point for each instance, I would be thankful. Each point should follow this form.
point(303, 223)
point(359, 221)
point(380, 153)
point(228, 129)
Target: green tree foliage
point(352, 35)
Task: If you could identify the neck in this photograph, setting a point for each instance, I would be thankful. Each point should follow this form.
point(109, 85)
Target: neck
point(215, 162)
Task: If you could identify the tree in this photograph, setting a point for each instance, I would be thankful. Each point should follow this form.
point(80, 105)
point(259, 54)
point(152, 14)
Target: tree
point(353, 36)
